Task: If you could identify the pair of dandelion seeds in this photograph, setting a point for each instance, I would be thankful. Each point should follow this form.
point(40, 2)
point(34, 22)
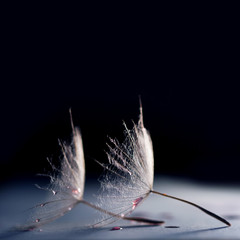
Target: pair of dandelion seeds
point(127, 180)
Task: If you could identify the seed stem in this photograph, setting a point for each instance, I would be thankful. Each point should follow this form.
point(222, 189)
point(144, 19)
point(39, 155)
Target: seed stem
point(136, 219)
point(195, 205)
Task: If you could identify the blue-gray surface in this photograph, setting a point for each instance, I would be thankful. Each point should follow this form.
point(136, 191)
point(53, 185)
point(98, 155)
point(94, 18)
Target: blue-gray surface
point(191, 223)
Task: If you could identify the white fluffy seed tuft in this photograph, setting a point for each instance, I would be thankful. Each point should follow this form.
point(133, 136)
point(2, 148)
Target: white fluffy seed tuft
point(128, 177)
point(66, 184)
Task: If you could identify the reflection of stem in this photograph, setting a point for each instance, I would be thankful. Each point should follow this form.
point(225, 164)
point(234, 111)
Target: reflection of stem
point(195, 205)
point(136, 219)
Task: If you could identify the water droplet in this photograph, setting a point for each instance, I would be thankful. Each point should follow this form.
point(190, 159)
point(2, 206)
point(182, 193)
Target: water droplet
point(69, 209)
point(75, 191)
point(42, 205)
point(116, 228)
point(136, 202)
point(37, 220)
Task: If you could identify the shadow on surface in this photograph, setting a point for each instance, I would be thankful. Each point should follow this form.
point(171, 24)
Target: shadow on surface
point(12, 233)
point(139, 226)
point(198, 231)
point(88, 231)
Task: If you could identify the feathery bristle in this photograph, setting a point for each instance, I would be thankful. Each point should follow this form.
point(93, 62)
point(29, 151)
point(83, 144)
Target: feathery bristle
point(128, 177)
point(66, 186)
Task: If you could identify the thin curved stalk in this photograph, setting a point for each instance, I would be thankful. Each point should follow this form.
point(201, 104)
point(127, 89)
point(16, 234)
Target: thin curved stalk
point(195, 205)
point(136, 219)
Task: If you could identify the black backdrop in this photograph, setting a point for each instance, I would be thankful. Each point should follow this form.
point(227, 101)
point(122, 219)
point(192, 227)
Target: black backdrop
point(186, 70)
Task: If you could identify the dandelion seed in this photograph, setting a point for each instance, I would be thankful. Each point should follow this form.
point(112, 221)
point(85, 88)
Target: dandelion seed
point(128, 178)
point(67, 186)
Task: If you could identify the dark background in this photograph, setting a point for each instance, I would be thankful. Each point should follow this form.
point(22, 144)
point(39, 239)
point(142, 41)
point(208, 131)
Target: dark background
point(184, 65)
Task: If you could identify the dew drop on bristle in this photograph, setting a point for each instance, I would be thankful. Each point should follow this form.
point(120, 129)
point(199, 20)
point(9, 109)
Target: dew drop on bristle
point(116, 228)
point(37, 220)
point(136, 202)
point(75, 191)
point(54, 193)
